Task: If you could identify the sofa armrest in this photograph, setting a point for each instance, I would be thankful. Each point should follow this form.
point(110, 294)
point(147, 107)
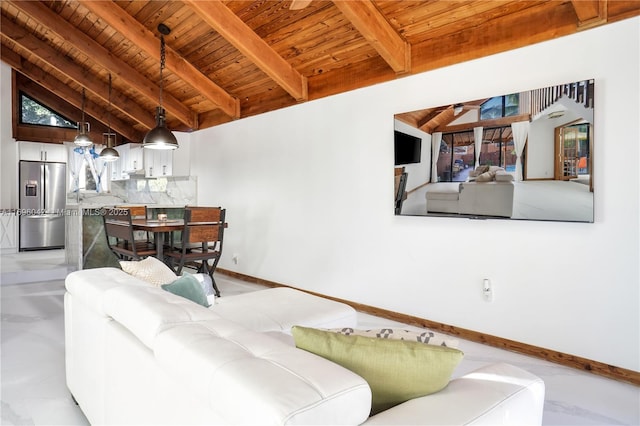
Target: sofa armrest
point(498, 394)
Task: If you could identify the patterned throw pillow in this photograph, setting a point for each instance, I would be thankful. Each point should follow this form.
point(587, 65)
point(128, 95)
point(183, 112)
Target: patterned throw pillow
point(426, 336)
point(395, 370)
point(486, 177)
point(150, 270)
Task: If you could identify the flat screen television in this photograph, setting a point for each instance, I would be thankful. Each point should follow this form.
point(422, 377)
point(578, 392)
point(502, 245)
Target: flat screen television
point(407, 148)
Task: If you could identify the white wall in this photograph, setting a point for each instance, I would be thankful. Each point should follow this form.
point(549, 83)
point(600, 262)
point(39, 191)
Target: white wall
point(8, 145)
point(309, 196)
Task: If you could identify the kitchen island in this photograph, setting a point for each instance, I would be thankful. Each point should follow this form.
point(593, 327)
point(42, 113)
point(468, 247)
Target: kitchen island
point(86, 244)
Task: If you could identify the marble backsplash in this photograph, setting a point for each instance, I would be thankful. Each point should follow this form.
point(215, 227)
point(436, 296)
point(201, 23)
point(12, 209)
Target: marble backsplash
point(166, 191)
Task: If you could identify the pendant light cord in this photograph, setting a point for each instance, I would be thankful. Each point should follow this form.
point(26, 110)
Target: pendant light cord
point(83, 109)
point(109, 114)
point(162, 62)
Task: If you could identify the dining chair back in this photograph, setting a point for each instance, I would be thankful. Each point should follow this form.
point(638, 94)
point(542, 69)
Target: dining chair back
point(201, 241)
point(120, 235)
point(138, 212)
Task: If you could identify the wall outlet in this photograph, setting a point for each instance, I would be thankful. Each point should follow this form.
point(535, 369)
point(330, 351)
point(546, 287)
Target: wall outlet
point(487, 290)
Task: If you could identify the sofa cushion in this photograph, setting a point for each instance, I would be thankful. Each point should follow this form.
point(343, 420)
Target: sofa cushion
point(150, 270)
point(442, 195)
point(252, 379)
point(503, 176)
point(423, 336)
point(147, 310)
point(396, 370)
point(102, 280)
point(187, 286)
point(278, 309)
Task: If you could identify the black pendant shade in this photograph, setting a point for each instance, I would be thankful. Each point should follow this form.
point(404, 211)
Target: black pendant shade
point(160, 137)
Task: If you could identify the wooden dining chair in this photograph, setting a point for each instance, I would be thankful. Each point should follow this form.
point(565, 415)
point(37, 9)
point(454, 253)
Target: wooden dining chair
point(120, 235)
point(138, 212)
point(201, 240)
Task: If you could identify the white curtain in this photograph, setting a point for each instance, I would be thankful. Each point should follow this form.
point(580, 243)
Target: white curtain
point(97, 166)
point(477, 139)
point(75, 158)
point(436, 138)
point(520, 131)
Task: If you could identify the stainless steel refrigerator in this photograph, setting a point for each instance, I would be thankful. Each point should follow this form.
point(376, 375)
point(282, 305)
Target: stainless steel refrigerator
point(42, 203)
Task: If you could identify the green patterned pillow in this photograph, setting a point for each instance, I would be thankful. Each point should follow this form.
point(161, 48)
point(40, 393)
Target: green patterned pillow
point(396, 370)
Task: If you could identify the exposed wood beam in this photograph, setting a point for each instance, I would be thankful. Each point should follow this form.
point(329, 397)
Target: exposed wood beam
point(70, 96)
point(378, 32)
point(66, 66)
point(590, 13)
point(126, 25)
point(443, 118)
point(299, 4)
point(421, 122)
point(505, 121)
point(51, 20)
point(236, 32)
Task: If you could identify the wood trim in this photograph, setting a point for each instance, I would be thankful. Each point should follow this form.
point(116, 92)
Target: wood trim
point(584, 364)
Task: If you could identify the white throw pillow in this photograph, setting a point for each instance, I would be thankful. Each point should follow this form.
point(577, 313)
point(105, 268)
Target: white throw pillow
point(150, 270)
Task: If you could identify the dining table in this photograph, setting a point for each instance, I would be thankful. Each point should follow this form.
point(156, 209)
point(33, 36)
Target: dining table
point(159, 228)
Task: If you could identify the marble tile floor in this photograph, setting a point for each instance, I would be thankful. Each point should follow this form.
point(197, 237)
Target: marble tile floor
point(33, 390)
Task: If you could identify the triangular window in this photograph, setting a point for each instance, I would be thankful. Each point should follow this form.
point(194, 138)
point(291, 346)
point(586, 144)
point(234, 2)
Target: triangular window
point(33, 112)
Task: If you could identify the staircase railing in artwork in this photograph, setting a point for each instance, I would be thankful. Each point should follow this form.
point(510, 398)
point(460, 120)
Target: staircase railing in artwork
point(580, 91)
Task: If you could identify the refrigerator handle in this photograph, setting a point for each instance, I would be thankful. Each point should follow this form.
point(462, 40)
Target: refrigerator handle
point(44, 175)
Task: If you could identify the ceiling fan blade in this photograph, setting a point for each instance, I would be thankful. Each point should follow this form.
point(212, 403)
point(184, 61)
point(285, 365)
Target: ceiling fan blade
point(299, 4)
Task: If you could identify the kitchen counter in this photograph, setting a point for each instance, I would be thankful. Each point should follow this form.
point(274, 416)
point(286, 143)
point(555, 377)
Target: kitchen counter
point(86, 244)
point(8, 230)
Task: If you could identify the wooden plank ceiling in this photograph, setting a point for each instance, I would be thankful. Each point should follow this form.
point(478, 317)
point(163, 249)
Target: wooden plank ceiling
point(227, 60)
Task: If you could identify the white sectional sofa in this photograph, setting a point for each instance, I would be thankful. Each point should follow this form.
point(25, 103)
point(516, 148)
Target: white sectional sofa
point(137, 354)
point(471, 198)
point(489, 192)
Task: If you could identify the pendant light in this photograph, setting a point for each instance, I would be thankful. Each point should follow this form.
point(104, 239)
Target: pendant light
point(82, 138)
point(109, 139)
point(160, 137)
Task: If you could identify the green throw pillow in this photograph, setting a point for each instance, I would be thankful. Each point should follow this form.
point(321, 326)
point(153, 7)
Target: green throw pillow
point(396, 370)
point(188, 287)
